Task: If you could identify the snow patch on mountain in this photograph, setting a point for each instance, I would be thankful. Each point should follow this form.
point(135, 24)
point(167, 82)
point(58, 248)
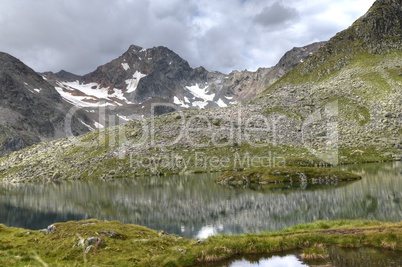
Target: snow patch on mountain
point(86, 125)
point(125, 66)
point(80, 101)
point(179, 102)
point(133, 83)
point(221, 103)
point(91, 94)
point(98, 125)
point(124, 118)
point(200, 104)
point(199, 92)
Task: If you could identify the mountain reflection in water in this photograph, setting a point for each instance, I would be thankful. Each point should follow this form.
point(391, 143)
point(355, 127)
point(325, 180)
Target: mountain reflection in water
point(360, 257)
point(194, 206)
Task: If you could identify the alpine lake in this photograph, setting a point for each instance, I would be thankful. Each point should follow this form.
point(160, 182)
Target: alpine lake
point(194, 206)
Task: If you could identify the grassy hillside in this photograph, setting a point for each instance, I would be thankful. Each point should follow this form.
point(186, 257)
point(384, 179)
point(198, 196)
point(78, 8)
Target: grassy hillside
point(100, 243)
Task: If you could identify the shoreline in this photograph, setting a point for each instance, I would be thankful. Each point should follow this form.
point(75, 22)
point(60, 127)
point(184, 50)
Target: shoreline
point(105, 243)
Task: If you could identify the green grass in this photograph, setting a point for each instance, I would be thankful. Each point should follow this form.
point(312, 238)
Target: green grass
point(367, 154)
point(380, 84)
point(395, 74)
point(132, 245)
point(316, 252)
point(350, 109)
point(283, 111)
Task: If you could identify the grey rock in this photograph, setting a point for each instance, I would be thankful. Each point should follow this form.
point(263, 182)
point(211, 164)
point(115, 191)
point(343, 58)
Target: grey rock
point(92, 240)
point(50, 229)
point(182, 250)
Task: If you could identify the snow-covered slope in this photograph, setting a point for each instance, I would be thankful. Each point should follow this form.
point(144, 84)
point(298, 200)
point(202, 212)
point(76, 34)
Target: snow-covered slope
point(90, 94)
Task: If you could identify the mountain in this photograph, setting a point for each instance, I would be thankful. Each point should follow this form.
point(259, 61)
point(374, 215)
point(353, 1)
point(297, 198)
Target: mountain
point(343, 104)
point(34, 106)
point(61, 76)
point(246, 85)
point(158, 75)
point(360, 71)
point(30, 109)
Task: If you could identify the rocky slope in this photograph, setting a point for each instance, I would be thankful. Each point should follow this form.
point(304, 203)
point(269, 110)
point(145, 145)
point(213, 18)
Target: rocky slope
point(356, 79)
point(246, 85)
point(341, 105)
point(30, 109)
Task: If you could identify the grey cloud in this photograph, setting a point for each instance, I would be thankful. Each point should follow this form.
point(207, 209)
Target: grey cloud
point(219, 44)
point(74, 35)
point(177, 9)
point(276, 14)
point(80, 35)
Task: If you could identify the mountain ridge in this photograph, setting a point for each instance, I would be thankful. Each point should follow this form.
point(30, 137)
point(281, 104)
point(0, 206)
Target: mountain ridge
point(142, 74)
point(30, 109)
point(341, 105)
point(33, 111)
point(359, 69)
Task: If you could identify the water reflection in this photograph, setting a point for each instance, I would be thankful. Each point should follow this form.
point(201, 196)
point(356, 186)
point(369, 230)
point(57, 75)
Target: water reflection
point(276, 261)
point(361, 257)
point(194, 206)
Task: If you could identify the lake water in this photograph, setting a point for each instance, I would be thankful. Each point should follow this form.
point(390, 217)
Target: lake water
point(194, 206)
point(361, 257)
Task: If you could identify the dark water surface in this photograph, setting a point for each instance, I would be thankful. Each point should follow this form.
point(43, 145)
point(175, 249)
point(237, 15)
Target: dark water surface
point(194, 206)
point(338, 257)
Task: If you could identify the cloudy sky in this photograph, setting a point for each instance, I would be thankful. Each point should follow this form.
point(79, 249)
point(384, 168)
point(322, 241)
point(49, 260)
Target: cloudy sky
point(223, 35)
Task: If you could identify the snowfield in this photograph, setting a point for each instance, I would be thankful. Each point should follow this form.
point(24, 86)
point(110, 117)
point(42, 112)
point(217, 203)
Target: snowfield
point(133, 83)
point(91, 94)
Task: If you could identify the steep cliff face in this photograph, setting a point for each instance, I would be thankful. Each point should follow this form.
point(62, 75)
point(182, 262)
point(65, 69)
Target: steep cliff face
point(30, 109)
point(380, 29)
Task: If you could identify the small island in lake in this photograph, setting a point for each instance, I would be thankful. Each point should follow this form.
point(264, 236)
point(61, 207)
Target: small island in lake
point(278, 175)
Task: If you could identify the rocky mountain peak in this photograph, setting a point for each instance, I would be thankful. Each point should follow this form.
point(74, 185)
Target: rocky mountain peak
point(20, 76)
point(380, 28)
point(376, 32)
point(297, 55)
point(67, 76)
point(134, 48)
point(159, 75)
point(61, 76)
point(135, 60)
point(31, 110)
